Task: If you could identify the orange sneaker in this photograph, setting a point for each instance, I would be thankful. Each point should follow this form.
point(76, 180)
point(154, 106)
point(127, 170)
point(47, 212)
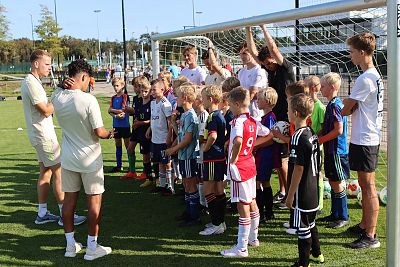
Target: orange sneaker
point(129, 175)
point(142, 176)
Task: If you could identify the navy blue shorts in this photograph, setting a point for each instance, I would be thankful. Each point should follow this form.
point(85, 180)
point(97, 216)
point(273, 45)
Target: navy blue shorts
point(145, 145)
point(157, 153)
point(188, 168)
point(214, 171)
point(336, 167)
point(200, 170)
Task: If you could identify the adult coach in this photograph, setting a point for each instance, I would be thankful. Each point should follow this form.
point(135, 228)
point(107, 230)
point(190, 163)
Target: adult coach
point(280, 74)
point(193, 72)
point(365, 105)
point(81, 159)
point(42, 136)
point(217, 74)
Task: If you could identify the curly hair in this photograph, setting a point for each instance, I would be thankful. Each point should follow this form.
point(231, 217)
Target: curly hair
point(79, 66)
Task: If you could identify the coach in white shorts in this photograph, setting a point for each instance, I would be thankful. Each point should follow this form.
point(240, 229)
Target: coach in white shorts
point(81, 159)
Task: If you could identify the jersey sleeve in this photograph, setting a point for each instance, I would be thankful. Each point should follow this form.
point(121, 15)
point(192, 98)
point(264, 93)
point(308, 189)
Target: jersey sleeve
point(167, 109)
point(190, 123)
point(261, 129)
point(336, 113)
point(34, 93)
point(95, 114)
point(111, 101)
point(301, 151)
point(237, 129)
point(361, 89)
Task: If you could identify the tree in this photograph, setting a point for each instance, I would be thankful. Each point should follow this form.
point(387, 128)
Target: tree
point(48, 31)
point(4, 23)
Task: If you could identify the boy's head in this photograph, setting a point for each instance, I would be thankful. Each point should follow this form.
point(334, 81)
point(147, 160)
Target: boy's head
point(313, 83)
point(138, 82)
point(300, 107)
point(211, 94)
point(330, 84)
point(166, 76)
point(244, 54)
point(81, 71)
point(145, 90)
point(206, 59)
point(179, 81)
point(239, 100)
point(295, 88)
point(267, 98)
point(186, 94)
point(198, 102)
point(190, 55)
point(157, 88)
point(230, 83)
point(225, 101)
point(361, 45)
point(118, 85)
point(266, 58)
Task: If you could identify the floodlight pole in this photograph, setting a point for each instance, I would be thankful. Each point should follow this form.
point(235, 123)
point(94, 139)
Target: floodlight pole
point(123, 34)
point(297, 39)
point(393, 186)
point(155, 51)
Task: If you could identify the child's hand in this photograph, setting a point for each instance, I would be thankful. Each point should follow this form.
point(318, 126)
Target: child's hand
point(68, 83)
point(277, 134)
point(120, 115)
point(136, 124)
point(170, 151)
point(148, 134)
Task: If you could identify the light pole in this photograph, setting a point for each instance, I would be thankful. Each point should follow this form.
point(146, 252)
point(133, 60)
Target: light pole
point(55, 16)
point(198, 14)
point(33, 38)
point(97, 11)
point(123, 33)
point(194, 21)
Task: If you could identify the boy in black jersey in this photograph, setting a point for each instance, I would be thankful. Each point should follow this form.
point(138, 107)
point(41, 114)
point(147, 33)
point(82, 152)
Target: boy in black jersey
point(304, 167)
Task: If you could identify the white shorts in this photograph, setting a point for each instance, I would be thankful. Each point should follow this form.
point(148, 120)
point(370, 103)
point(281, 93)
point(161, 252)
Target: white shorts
point(93, 182)
point(48, 152)
point(244, 192)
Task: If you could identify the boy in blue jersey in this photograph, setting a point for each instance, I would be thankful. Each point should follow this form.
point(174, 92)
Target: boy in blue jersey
point(214, 160)
point(268, 157)
point(120, 120)
point(187, 148)
point(336, 161)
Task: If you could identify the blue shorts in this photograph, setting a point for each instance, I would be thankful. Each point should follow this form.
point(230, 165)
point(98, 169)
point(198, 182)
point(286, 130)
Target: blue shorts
point(188, 168)
point(336, 167)
point(157, 154)
point(214, 171)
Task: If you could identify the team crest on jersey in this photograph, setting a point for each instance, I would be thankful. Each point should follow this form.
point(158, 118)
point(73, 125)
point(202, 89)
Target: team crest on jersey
point(292, 153)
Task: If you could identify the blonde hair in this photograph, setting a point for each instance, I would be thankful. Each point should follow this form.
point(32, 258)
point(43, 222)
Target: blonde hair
point(298, 87)
point(230, 83)
point(303, 104)
point(269, 95)
point(118, 80)
point(332, 79)
point(213, 91)
point(363, 41)
point(199, 89)
point(166, 75)
point(314, 82)
point(39, 54)
point(190, 49)
point(187, 91)
point(241, 95)
point(139, 80)
point(179, 81)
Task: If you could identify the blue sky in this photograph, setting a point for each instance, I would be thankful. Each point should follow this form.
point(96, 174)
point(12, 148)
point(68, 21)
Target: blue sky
point(77, 19)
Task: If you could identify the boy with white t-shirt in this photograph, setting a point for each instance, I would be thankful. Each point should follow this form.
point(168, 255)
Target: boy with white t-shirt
point(79, 116)
point(217, 74)
point(252, 77)
point(365, 105)
point(194, 73)
point(242, 170)
point(161, 111)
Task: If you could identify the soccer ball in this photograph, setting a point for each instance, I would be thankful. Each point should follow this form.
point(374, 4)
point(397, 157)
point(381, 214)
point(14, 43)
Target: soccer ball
point(327, 190)
point(353, 188)
point(383, 195)
point(283, 128)
point(359, 198)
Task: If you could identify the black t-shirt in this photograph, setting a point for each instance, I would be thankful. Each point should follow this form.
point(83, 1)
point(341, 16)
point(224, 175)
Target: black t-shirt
point(142, 113)
point(279, 79)
point(304, 151)
point(228, 118)
point(215, 124)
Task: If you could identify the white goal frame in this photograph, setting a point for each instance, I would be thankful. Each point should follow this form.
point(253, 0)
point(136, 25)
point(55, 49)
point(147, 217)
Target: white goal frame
point(393, 56)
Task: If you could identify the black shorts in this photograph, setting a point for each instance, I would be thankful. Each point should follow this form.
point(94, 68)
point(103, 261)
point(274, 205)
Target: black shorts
point(336, 167)
point(200, 170)
point(188, 168)
point(145, 145)
point(157, 153)
point(214, 171)
point(134, 137)
point(303, 222)
point(363, 158)
point(122, 132)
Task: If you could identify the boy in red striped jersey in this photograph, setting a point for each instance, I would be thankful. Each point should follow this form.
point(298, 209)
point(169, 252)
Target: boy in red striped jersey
point(242, 170)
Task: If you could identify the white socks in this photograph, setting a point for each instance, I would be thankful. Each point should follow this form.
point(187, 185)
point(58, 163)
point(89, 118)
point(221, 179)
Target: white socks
point(92, 242)
point(60, 208)
point(243, 233)
point(255, 221)
point(42, 210)
point(70, 239)
point(170, 180)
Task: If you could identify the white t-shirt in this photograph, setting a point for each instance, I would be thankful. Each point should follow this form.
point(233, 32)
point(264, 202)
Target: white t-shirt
point(196, 75)
point(254, 77)
point(367, 118)
point(160, 111)
point(78, 114)
point(216, 78)
point(39, 127)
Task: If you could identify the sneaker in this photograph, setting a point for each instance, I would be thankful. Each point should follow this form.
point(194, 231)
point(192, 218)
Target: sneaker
point(278, 197)
point(291, 231)
point(78, 220)
point(189, 223)
point(178, 181)
point(286, 225)
point(210, 225)
point(282, 206)
point(319, 259)
point(356, 230)
point(70, 252)
point(235, 252)
point(168, 192)
point(146, 183)
point(213, 230)
point(116, 169)
point(254, 243)
point(48, 217)
point(329, 218)
point(365, 242)
point(129, 175)
point(338, 224)
point(142, 176)
point(98, 253)
point(297, 264)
